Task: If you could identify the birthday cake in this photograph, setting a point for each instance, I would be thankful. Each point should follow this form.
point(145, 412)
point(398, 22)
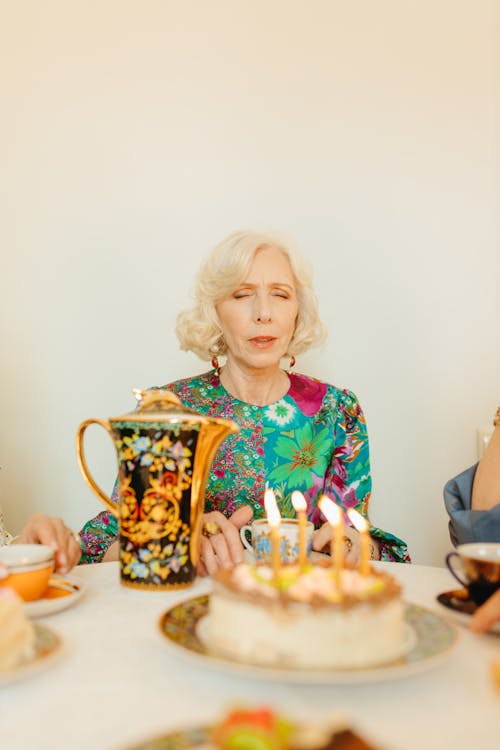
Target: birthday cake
point(305, 620)
point(17, 637)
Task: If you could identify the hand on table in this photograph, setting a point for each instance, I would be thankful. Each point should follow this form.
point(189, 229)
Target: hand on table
point(487, 614)
point(352, 546)
point(41, 529)
point(223, 548)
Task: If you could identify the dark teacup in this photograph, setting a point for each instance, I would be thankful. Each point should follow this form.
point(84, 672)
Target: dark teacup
point(477, 567)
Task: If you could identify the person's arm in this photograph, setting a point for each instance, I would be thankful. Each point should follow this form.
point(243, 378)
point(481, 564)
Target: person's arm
point(465, 523)
point(99, 536)
point(112, 553)
point(486, 487)
point(348, 482)
point(472, 498)
point(348, 479)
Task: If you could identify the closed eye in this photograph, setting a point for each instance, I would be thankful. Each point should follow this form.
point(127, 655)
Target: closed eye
point(242, 294)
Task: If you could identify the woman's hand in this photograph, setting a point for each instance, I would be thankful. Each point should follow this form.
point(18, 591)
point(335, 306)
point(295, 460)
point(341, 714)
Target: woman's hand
point(40, 529)
point(223, 548)
point(112, 553)
point(352, 546)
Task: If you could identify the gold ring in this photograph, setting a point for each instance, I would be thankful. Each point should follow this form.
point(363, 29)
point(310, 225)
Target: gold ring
point(210, 528)
point(348, 543)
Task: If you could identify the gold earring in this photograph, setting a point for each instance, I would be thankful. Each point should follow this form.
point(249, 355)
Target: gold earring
point(292, 362)
point(215, 363)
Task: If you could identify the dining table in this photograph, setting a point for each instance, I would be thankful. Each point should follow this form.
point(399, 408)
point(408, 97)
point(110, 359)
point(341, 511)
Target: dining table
point(116, 681)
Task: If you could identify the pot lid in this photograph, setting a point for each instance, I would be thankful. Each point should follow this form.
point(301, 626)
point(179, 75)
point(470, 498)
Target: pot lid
point(161, 405)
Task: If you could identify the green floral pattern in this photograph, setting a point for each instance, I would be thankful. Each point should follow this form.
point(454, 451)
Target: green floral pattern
point(314, 439)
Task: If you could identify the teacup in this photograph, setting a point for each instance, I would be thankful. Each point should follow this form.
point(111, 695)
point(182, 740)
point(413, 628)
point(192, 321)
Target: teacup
point(478, 568)
point(29, 567)
point(260, 532)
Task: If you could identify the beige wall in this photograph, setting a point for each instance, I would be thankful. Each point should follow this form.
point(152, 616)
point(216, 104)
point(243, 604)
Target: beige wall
point(137, 134)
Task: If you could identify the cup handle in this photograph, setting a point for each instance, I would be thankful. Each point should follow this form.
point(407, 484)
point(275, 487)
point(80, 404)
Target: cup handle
point(450, 564)
point(83, 464)
point(243, 536)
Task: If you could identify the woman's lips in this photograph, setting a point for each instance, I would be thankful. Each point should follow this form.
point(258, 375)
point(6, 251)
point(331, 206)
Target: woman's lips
point(263, 342)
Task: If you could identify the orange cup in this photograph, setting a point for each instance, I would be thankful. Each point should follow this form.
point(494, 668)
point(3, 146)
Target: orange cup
point(29, 567)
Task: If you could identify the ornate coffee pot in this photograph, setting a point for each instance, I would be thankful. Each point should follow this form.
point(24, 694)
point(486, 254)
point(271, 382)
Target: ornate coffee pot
point(164, 455)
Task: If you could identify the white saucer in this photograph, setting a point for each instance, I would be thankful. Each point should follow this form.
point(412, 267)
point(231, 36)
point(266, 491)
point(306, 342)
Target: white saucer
point(461, 608)
point(70, 588)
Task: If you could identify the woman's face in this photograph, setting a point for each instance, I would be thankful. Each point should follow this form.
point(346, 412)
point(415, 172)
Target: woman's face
point(258, 318)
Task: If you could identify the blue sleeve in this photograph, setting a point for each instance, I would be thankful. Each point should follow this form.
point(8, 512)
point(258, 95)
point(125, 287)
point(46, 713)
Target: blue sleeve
point(467, 525)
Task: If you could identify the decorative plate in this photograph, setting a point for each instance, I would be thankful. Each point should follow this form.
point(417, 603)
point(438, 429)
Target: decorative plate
point(62, 592)
point(199, 738)
point(432, 639)
point(457, 602)
point(184, 740)
point(48, 646)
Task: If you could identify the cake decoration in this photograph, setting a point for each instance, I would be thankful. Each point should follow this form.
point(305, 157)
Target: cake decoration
point(311, 615)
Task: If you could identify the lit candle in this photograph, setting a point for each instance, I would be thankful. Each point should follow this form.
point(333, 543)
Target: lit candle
point(333, 515)
point(274, 520)
point(300, 505)
point(361, 525)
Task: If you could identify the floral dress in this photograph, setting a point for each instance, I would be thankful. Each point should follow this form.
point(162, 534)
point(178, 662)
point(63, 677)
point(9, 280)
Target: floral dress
point(314, 439)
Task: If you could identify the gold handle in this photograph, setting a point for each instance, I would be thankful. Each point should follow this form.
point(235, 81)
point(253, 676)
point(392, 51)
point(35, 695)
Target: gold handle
point(83, 464)
point(208, 442)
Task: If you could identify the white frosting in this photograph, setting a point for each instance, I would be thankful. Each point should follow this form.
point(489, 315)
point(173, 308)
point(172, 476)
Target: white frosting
point(296, 633)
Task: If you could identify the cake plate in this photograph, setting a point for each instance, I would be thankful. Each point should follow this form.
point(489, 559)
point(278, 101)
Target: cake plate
point(431, 639)
point(48, 647)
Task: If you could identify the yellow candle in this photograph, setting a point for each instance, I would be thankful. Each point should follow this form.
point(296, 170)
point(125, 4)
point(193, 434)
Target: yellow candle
point(338, 547)
point(300, 505)
point(274, 520)
point(333, 515)
point(361, 525)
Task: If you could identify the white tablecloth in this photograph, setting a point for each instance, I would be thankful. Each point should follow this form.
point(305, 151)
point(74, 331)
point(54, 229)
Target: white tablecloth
point(117, 681)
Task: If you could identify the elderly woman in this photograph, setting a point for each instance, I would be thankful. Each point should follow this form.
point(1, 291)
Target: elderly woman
point(255, 306)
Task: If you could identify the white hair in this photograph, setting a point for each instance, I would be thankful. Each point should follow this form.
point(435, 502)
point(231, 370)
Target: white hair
point(198, 328)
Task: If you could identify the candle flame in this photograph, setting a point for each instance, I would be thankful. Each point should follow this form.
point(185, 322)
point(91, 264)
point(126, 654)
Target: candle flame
point(330, 510)
point(298, 501)
point(272, 511)
point(359, 523)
